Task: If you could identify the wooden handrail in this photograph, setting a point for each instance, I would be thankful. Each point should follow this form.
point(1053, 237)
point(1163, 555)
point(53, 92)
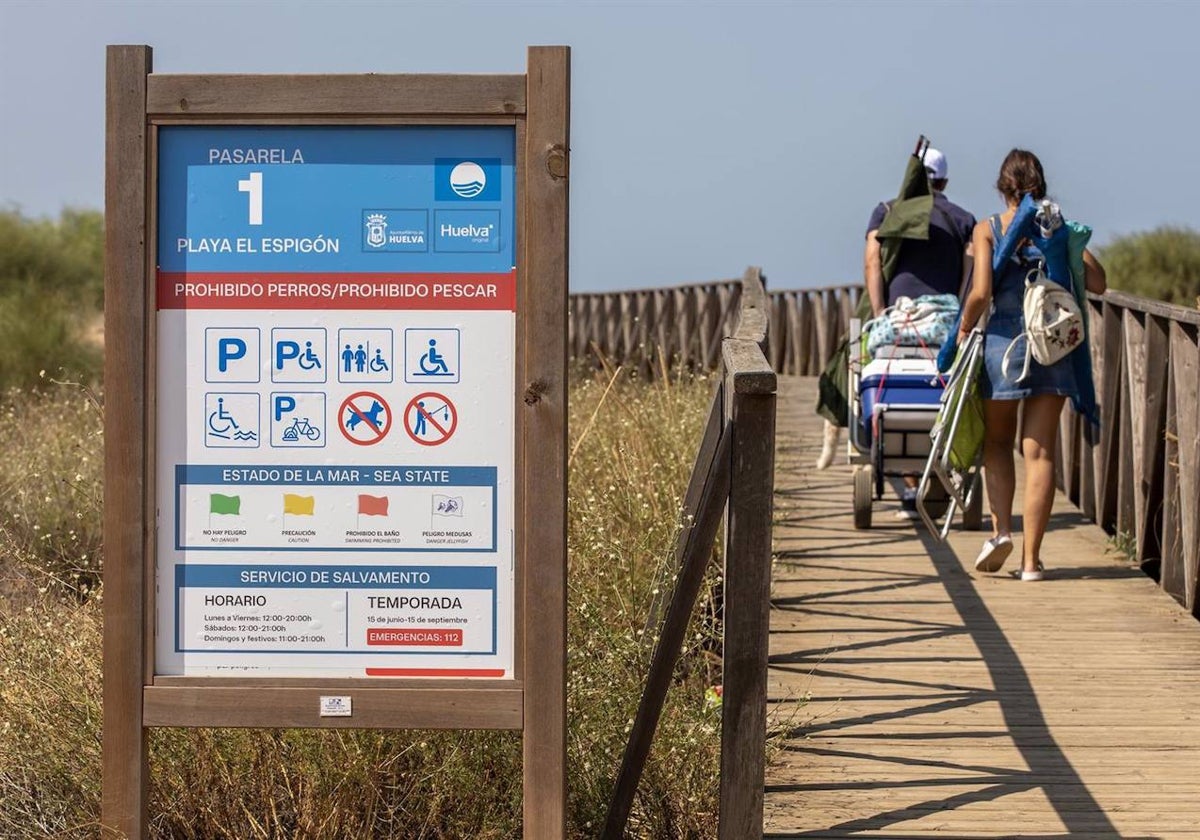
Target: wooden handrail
point(1138, 474)
point(733, 473)
point(1135, 476)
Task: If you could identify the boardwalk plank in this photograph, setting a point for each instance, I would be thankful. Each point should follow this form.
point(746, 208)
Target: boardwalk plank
point(914, 698)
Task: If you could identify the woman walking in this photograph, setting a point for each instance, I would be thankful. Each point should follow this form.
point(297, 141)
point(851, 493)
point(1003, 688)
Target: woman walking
point(1043, 390)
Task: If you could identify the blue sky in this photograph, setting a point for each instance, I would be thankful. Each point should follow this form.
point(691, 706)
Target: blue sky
point(705, 136)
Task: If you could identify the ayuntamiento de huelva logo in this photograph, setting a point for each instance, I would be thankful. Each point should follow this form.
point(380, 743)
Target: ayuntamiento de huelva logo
point(376, 229)
point(468, 179)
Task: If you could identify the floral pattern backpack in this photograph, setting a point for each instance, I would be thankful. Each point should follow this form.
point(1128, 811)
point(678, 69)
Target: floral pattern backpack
point(1053, 322)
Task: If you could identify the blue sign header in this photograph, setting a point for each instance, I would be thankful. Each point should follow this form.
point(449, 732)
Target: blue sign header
point(362, 199)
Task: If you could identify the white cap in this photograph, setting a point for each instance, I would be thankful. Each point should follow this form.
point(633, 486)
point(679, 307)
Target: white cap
point(935, 164)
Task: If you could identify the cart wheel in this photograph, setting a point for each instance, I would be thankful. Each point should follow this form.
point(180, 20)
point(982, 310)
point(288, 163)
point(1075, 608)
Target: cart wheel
point(973, 515)
point(863, 493)
point(877, 467)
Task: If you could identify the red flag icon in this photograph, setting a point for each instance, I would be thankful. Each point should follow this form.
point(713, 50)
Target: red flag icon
point(372, 505)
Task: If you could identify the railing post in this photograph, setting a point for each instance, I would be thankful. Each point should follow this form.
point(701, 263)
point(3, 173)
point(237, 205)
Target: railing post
point(750, 389)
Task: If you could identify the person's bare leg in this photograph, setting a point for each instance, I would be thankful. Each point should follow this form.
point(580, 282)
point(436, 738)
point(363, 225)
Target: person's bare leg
point(1000, 430)
point(1038, 441)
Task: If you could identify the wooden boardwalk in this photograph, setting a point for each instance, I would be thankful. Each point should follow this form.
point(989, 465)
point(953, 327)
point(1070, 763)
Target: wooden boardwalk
point(917, 698)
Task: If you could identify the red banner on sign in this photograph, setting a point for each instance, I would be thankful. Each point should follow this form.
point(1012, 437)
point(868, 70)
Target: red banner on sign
point(251, 290)
point(415, 636)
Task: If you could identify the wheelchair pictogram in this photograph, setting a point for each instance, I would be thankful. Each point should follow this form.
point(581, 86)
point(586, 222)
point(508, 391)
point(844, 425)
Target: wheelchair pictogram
point(432, 362)
point(231, 421)
point(309, 360)
point(431, 355)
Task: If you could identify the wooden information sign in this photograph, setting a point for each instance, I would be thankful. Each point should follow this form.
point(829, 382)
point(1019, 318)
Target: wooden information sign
point(336, 323)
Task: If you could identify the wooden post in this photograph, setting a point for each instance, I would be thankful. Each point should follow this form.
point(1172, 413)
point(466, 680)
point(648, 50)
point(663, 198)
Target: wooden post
point(126, 284)
point(1157, 352)
point(1185, 358)
point(750, 387)
point(545, 466)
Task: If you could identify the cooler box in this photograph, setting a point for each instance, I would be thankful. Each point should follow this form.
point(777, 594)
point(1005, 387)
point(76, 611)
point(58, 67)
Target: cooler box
point(908, 392)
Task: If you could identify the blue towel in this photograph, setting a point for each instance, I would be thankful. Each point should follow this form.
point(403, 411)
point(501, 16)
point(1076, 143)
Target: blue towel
point(1079, 235)
point(1063, 251)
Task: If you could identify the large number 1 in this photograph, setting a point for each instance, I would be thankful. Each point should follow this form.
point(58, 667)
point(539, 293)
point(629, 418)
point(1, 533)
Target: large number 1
point(253, 185)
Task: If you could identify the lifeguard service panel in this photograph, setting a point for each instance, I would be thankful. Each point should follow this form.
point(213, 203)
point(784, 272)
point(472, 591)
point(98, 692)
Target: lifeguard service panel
point(335, 401)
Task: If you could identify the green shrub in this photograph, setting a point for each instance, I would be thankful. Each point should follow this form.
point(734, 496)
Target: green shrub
point(1163, 264)
point(64, 255)
point(51, 294)
point(42, 336)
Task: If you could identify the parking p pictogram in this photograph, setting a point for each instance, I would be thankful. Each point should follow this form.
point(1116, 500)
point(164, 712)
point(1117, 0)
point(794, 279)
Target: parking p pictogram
point(364, 418)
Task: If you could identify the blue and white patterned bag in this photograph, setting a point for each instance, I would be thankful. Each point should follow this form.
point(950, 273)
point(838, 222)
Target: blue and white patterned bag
point(911, 322)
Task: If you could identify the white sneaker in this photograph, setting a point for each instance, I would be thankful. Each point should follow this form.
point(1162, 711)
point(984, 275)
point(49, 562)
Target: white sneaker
point(1037, 574)
point(993, 554)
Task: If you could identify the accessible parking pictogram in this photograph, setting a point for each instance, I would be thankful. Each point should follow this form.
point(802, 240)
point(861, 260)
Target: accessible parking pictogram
point(298, 354)
point(430, 418)
point(364, 418)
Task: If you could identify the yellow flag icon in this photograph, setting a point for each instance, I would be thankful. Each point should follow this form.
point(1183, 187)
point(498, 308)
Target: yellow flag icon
point(299, 505)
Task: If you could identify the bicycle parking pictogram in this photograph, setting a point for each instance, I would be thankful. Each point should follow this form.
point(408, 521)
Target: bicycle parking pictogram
point(301, 428)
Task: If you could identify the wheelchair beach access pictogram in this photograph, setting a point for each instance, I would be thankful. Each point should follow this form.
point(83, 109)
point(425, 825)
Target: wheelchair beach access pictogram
point(430, 418)
point(364, 418)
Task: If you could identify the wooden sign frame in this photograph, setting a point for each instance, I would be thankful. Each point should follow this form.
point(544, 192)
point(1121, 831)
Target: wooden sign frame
point(537, 105)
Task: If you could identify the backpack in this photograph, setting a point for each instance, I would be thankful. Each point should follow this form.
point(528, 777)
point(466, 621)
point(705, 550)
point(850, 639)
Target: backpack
point(1053, 322)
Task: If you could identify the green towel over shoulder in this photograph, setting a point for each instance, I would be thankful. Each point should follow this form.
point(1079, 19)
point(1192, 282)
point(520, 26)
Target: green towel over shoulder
point(907, 218)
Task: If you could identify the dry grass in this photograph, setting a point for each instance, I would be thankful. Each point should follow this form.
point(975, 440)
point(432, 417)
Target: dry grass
point(626, 481)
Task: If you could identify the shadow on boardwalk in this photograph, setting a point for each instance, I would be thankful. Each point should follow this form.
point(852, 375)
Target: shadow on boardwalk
point(942, 703)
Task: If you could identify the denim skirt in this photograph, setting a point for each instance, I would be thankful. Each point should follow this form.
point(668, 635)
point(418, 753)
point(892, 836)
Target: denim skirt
point(1005, 325)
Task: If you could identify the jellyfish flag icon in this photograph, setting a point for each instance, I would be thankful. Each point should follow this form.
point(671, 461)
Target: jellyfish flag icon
point(447, 505)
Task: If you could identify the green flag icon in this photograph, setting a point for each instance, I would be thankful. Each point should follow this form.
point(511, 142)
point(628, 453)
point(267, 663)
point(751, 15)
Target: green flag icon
point(224, 504)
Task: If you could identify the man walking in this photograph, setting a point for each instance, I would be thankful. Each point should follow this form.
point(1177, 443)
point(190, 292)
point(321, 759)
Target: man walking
point(934, 266)
point(939, 265)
